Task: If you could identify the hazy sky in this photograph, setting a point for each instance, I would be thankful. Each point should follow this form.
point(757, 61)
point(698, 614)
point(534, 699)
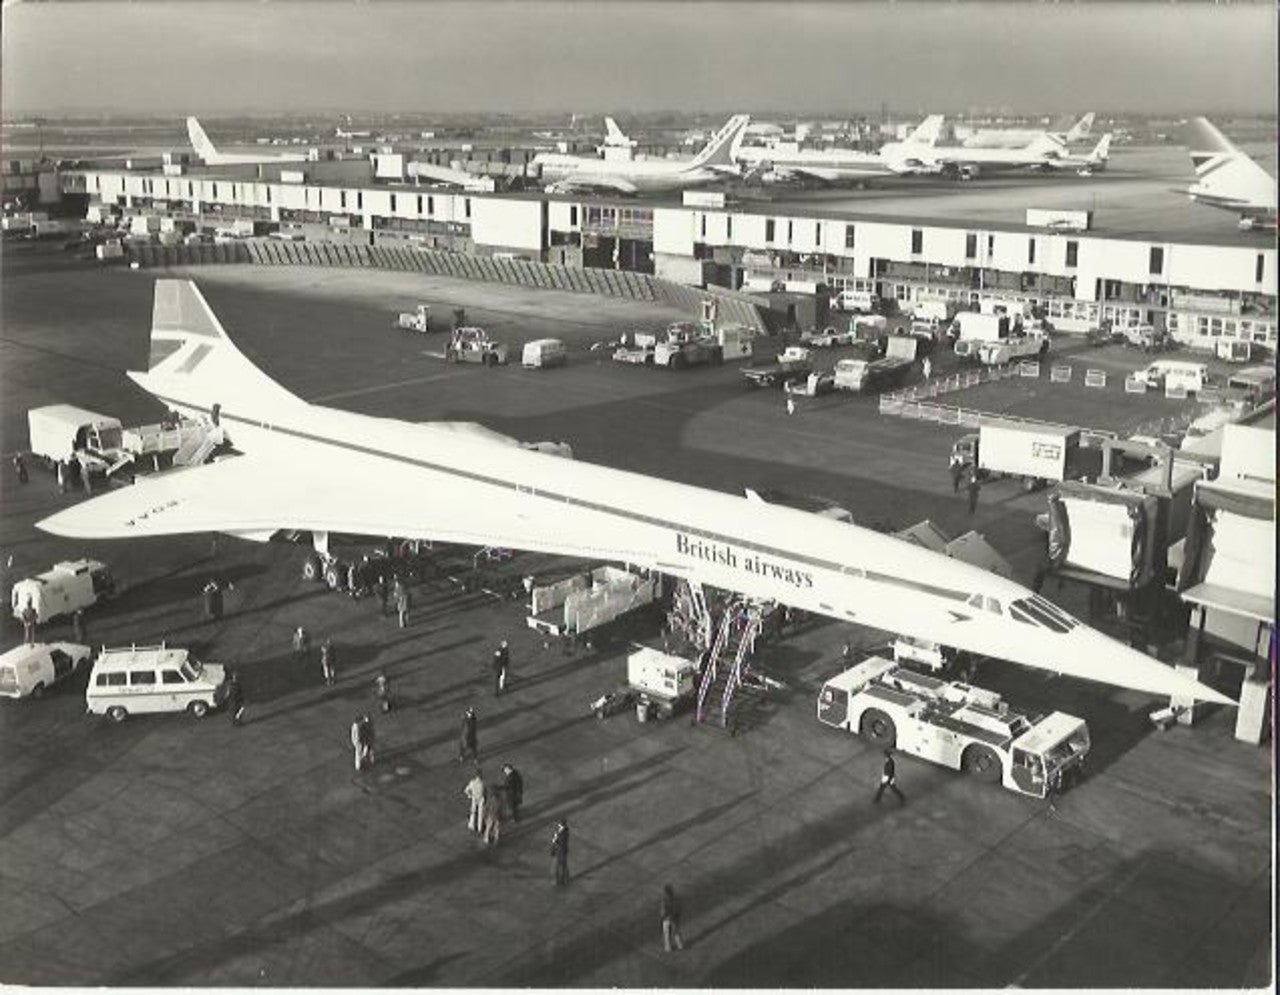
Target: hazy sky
point(182, 57)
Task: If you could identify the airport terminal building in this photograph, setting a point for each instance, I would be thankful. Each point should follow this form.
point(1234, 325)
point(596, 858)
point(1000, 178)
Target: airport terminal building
point(1201, 289)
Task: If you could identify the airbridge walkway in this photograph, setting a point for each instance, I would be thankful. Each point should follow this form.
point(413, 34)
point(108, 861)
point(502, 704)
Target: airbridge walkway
point(731, 307)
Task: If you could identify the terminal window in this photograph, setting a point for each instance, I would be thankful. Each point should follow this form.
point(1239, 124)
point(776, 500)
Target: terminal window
point(769, 225)
point(728, 229)
point(1258, 268)
point(790, 225)
point(1156, 264)
point(393, 202)
point(817, 233)
point(1073, 250)
point(573, 216)
point(1031, 250)
point(971, 246)
point(848, 236)
point(917, 241)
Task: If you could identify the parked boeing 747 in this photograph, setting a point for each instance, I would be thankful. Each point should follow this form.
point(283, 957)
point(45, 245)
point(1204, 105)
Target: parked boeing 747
point(1227, 178)
point(313, 468)
point(210, 155)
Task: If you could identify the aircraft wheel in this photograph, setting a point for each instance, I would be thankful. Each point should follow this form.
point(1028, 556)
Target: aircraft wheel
point(878, 727)
point(981, 762)
point(312, 569)
point(117, 713)
point(333, 575)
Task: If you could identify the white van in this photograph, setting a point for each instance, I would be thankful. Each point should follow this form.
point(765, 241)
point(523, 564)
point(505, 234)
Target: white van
point(858, 301)
point(541, 353)
point(144, 679)
point(32, 670)
point(70, 585)
point(1165, 373)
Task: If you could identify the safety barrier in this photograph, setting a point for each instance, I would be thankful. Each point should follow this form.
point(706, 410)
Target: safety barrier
point(1135, 385)
point(1029, 369)
point(1175, 392)
point(1095, 378)
point(1060, 374)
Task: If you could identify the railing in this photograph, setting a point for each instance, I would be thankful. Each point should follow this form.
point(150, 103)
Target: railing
point(746, 648)
point(713, 655)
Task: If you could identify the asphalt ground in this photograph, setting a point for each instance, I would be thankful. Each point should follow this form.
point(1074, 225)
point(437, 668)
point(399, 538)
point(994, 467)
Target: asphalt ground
point(170, 851)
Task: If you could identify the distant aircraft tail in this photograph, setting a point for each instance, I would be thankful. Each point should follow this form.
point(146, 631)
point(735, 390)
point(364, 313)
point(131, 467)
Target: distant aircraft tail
point(200, 141)
point(613, 134)
point(1206, 144)
point(928, 132)
point(194, 366)
point(719, 150)
point(1102, 150)
point(1081, 129)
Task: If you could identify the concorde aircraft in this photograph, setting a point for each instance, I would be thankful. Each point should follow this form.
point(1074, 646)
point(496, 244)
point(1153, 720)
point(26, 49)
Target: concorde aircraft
point(317, 469)
point(563, 173)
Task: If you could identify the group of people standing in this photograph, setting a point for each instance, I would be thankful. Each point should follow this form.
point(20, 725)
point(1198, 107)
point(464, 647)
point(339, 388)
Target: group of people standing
point(492, 804)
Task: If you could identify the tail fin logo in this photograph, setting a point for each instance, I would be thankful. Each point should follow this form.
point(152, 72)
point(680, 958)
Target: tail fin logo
point(719, 151)
point(199, 140)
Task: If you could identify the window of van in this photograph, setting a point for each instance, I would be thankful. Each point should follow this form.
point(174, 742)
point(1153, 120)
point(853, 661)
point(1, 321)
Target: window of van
point(117, 679)
point(142, 677)
point(171, 677)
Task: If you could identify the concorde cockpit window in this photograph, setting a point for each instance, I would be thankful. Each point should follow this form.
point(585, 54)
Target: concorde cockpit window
point(1038, 611)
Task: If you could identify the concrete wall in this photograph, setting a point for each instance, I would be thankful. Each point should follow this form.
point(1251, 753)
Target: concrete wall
point(514, 224)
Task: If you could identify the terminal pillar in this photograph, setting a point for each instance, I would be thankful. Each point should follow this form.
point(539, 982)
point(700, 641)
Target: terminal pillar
point(1189, 710)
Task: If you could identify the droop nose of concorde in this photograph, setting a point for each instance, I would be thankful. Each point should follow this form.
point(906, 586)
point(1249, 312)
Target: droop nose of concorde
point(1087, 653)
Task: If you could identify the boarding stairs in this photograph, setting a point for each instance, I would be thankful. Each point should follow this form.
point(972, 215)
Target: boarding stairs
point(689, 620)
point(734, 645)
point(197, 449)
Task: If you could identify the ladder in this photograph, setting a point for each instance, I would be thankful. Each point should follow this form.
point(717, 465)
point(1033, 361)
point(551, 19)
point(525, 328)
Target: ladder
point(736, 635)
point(689, 617)
point(196, 450)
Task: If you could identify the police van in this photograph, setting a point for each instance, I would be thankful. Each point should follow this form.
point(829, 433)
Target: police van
point(142, 679)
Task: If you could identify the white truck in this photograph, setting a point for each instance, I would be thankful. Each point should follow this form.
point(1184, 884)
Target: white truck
point(662, 682)
point(1032, 342)
point(63, 589)
point(585, 601)
point(938, 312)
point(956, 725)
point(793, 363)
point(973, 329)
point(867, 375)
point(417, 320)
point(63, 433)
point(32, 670)
point(687, 344)
point(1037, 453)
point(183, 434)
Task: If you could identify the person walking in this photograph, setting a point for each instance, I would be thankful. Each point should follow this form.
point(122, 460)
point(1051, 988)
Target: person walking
point(973, 488)
point(301, 645)
point(474, 792)
point(791, 405)
point(670, 909)
point(501, 660)
point(955, 467)
point(328, 661)
point(357, 741)
point(467, 748)
point(370, 752)
point(560, 852)
point(382, 691)
point(30, 619)
point(927, 368)
point(492, 816)
point(20, 467)
point(889, 779)
point(513, 790)
point(212, 599)
point(62, 477)
point(403, 604)
point(380, 589)
point(78, 634)
point(235, 700)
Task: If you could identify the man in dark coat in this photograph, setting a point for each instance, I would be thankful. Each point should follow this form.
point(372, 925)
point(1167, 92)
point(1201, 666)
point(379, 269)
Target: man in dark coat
point(560, 852)
point(513, 790)
point(467, 748)
point(889, 779)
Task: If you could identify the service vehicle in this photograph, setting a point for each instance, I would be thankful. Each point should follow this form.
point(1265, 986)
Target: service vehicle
point(937, 312)
point(32, 670)
point(63, 589)
point(973, 329)
point(828, 338)
point(1037, 453)
point(541, 354)
point(1163, 373)
point(468, 344)
point(814, 385)
point(186, 435)
point(867, 375)
point(793, 363)
point(857, 301)
point(869, 326)
point(417, 320)
point(927, 331)
point(687, 344)
point(588, 600)
point(662, 683)
point(139, 680)
point(1029, 343)
point(64, 433)
point(956, 725)
point(636, 348)
point(1144, 337)
point(1256, 382)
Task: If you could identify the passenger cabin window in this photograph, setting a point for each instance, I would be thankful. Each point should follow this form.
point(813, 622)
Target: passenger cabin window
point(171, 677)
point(142, 677)
point(118, 679)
